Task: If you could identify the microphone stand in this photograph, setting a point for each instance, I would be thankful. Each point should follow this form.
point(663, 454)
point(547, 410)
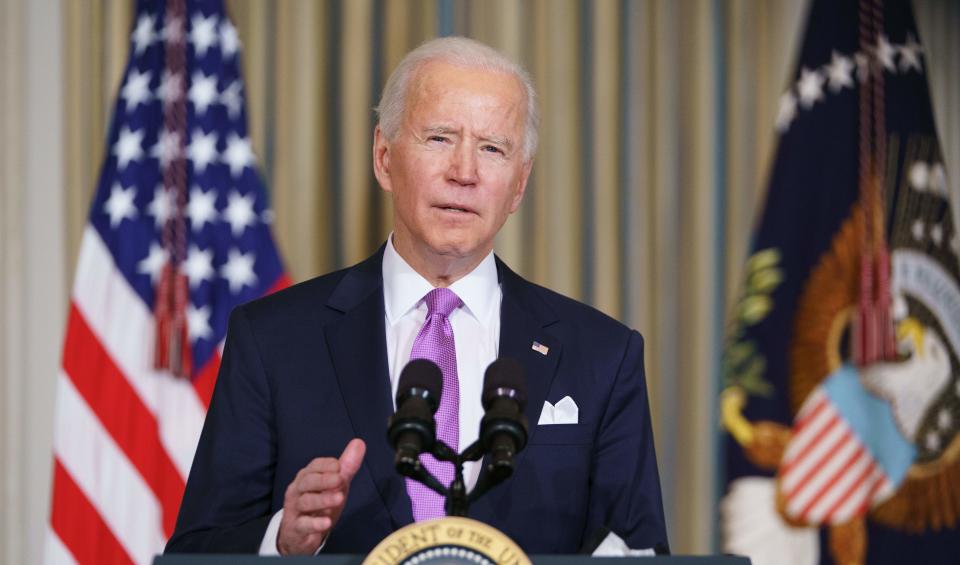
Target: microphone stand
point(457, 499)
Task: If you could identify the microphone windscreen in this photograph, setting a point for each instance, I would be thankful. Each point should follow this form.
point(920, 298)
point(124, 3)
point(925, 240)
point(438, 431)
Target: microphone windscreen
point(505, 373)
point(422, 374)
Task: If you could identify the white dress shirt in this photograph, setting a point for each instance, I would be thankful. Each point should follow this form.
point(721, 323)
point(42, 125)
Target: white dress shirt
point(476, 333)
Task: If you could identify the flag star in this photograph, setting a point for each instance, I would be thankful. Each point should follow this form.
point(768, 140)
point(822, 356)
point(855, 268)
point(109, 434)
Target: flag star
point(172, 29)
point(239, 154)
point(910, 54)
point(120, 204)
point(944, 419)
point(885, 53)
point(917, 230)
point(162, 206)
point(203, 91)
point(153, 263)
point(229, 40)
point(810, 87)
point(143, 35)
point(171, 88)
point(239, 212)
point(199, 265)
point(203, 33)
point(230, 98)
point(136, 90)
point(933, 441)
point(167, 147)
point(201, 208)
point(787, 111)
point(936, 234)
point(203, 149)
point(919, 176)
point(238, 270)
point(128, 147)
point(840, 72)
point(198, 322)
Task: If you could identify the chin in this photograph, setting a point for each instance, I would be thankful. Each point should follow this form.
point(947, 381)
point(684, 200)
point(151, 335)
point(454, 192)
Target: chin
point(454, 248)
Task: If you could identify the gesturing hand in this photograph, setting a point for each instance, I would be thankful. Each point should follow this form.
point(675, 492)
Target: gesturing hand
point(314, 500)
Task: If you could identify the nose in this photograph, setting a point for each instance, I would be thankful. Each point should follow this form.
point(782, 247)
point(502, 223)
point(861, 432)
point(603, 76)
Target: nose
point(463, 165)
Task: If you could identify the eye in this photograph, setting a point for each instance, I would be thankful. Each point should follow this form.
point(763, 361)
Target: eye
point(437, 138)
point(492, 149)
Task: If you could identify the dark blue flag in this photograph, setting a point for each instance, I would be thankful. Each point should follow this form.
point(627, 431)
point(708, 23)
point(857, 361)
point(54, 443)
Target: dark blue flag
point(842, 380)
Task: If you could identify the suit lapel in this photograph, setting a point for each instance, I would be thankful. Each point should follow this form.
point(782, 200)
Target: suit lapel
point(520, 329)
point(357, 344)
point(524, 319)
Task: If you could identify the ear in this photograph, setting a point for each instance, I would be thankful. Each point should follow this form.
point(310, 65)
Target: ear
point(381, 159)
point(521, 186)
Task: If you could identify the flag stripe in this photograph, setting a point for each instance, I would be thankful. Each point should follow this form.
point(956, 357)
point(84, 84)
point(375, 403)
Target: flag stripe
point(822, 470)
point(54, 550)
point(134, 428)
point(206, 378)
point(860, 493)
point(806, 434)
point(798, 470)
point(105, 476)
point(125, 327)
point(80, 526)
point(839, 483)
point(864, 468)
point(810, 406)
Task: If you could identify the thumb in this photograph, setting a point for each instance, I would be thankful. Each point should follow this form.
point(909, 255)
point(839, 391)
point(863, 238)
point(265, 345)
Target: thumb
point(351, 458)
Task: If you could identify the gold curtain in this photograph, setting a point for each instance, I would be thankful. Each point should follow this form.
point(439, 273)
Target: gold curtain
point(656, 135)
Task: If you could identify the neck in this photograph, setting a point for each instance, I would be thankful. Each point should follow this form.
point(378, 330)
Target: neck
point(440, 271)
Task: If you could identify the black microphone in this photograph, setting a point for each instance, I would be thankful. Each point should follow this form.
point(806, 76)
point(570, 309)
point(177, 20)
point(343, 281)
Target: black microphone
point(503, 429)
point(412, 429)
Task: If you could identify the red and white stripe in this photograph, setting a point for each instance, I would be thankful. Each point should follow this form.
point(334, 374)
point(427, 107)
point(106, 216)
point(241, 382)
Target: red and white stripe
point(124, 433)
point(827, 476)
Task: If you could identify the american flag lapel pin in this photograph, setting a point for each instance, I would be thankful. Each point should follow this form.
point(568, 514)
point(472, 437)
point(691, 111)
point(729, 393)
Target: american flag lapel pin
point(540, 348)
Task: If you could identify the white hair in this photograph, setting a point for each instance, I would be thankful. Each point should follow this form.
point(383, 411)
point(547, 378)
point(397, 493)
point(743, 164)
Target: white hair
point(456, 51)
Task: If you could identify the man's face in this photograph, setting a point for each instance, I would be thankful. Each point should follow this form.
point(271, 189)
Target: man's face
point(456, 169)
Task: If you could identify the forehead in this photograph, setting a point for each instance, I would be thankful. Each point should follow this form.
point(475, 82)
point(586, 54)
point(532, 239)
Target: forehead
point(444, 91)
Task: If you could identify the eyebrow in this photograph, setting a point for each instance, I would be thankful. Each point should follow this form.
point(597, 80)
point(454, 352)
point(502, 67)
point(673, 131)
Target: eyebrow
point(495, 139)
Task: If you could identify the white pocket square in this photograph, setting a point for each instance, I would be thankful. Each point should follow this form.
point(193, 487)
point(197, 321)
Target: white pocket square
point(564, 412)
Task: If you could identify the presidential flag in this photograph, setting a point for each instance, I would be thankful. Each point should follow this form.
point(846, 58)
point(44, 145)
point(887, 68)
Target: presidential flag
point(178, 234)
point(842, 381)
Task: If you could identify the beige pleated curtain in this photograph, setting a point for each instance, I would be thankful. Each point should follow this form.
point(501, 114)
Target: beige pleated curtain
point(656, 135)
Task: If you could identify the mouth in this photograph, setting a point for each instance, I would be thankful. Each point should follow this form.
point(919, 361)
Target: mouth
point(455, 208)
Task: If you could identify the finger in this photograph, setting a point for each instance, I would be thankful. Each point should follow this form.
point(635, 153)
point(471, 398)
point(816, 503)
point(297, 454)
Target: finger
point(319, 482)
point(351, 458)
point(320, 503)
point(307, 525)
point(322, 465)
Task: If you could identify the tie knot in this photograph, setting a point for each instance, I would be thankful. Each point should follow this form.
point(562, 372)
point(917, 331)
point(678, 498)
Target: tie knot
point(442, 301)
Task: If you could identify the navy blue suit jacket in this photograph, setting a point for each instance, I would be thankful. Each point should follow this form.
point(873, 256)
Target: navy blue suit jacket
point(305, 370)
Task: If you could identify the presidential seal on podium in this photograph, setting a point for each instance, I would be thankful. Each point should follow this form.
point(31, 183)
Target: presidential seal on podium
point(447, 541)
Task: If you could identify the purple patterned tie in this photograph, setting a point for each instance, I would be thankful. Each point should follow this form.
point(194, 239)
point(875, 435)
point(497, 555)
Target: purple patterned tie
point(435, 343)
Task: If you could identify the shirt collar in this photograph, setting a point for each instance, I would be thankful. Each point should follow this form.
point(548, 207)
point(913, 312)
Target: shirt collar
point(404, 288)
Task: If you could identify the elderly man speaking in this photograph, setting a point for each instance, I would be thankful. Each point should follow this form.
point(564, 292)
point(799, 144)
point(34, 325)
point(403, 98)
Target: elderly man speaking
point(294, 458)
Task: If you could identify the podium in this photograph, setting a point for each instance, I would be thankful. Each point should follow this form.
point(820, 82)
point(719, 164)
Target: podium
point(537, 560)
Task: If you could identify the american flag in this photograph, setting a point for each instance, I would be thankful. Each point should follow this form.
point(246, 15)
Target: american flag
point(178, 235)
